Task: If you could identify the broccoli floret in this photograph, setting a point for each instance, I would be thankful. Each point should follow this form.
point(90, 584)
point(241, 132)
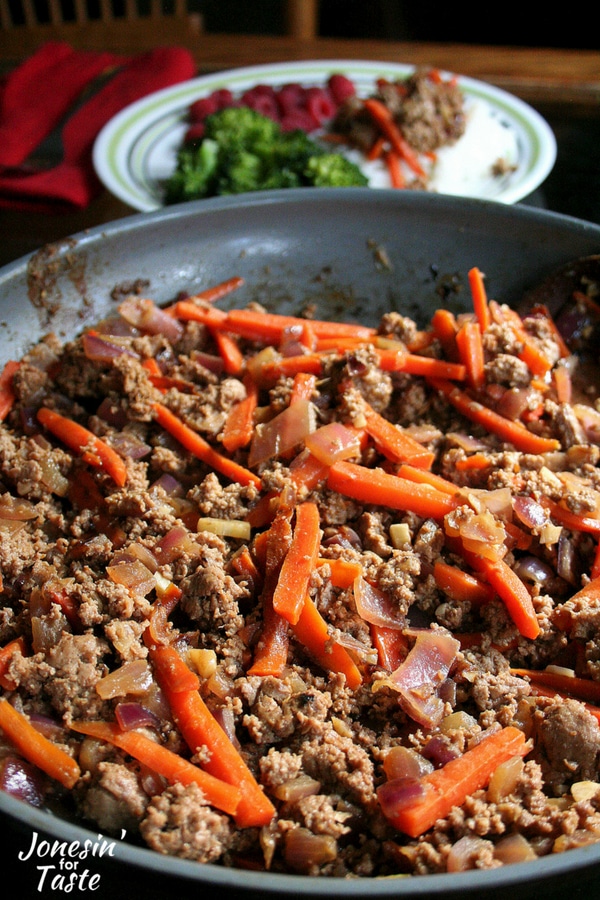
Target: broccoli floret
point(195, 172)
point(242, 151)
point(242, 127)
point(333, 170)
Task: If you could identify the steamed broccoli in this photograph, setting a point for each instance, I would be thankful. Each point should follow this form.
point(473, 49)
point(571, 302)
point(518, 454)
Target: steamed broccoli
point(242, 150)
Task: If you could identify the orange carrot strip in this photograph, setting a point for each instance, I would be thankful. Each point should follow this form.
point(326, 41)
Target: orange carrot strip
point(470, 349)
point(312, 632)
point(540, 309)
point(562, 384)
point(461, 585)
point(206, 315)
point(306, 363)
point(7, 394)
point(229, 351)
point(307, 471)
point(450, 786)
point(219, 793)
point(376, 149)
point(303, 387)
point(6, 654)
point(36, 748)
point(540, 690)
point(394, 167)
point(536, 360)
point(479, 295)
point(395, 444)
point(343, 572)
point(199, 728)
point(413, 364)
point(217, 291)
point(579, 688)
point(299, 563)
point(269, 327)
point(443, 323)
point(595, 571)
point(385, 122)
point(572, 521)
point(374, 486)
point(94, 451)
point(239, 425)
point(511, 431)
point(196, 444)
point(511, 591)
point(424, 476)
point(270, 657)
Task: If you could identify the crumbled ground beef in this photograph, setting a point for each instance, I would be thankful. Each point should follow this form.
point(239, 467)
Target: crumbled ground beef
point(408, 651)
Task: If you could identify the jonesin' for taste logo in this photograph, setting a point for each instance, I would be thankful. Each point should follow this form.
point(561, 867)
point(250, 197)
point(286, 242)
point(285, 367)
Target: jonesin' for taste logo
point(67, 866)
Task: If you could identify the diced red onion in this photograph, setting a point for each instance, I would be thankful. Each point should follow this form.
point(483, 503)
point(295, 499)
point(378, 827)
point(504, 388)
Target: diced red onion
point(129, 445)
point(405, 762)
point(22, 780)
point(176, 543)
point(210, 361)
point(398, 793)
point(462, 854)
point(148, 317)
point(440, 751)
point(374, 606)
point(131, 715)
point(100, 349)
point(169, 484)
point(333, 442)
point(303, 849)
point(282, 433)
point(530, 512)
point(534, 570)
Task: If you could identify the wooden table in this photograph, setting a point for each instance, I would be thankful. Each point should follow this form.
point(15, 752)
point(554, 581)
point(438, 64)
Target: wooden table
point(564, 85)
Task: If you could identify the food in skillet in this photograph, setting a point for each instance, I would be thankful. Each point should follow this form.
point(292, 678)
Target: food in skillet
point(305, 596)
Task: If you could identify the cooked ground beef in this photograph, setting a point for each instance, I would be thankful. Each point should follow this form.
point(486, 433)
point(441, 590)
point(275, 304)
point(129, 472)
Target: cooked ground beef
point(452, 596)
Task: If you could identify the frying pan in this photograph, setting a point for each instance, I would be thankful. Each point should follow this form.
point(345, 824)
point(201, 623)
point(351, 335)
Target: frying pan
point(349, 254)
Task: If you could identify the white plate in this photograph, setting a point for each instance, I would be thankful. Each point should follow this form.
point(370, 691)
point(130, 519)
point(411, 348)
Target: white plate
point(136, 150)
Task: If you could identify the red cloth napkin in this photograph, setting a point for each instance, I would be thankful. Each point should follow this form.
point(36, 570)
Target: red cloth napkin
point(36, 99)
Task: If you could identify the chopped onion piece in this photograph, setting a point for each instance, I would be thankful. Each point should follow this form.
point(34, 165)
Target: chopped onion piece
point(419, 677)
point(514, 848)
point(332, 442)
point(147, 316)
point(374, 606)
point(303, 849)
point(134, 677)
point(100, 349)
point(463, 854)
point(234, 528)
point(13, 508)
point(282, 433)
point(133, 575)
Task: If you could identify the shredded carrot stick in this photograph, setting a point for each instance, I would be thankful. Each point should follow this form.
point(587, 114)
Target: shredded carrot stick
point(217, 291)
point(304, 387)
point(312, 632)
point(305, 363)
point(479, 295)
point(271, 652)
point(269, 328)
point(6, 654)
point(572, 521)
point(470, 349)
point(595, 570)
point(239, 425)
point(196, 445)
point(394, 167)
point(93, 450)
point(541, 690)
point(306, 471)
point(562, 384)
point(299, 563)
point(540, 310)
point(384, 120)
point(444, 326)
point(374, 486)
point(461, 585)
point(199, 728)
point(450, 786)
point(578, 688)
point(427, 366)
point(511, 590)
point(229, 351)
point(7, 394)
point(376, 149)
point(343, 571)
point(206, 315)
point(36, 748)
point(174, 768)
point(532, 355)
point(508, 430)
point(395, 444)
point(424, 476)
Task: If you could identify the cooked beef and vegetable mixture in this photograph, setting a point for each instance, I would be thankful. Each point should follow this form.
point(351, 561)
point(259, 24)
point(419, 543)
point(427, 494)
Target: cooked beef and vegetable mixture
point(304, 596)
